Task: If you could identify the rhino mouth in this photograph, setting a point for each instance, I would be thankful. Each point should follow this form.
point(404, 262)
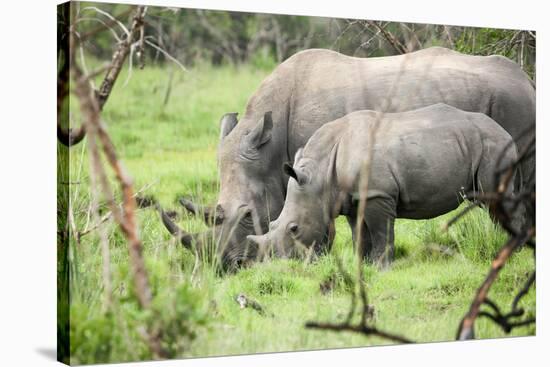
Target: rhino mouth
point(240, 256)
point(235, 264)
point(232, 253)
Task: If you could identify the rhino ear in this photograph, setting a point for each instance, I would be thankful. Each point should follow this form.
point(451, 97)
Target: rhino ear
point(261, 133)
point(227, 123)
point(331, 171)
point(295, 173)
point(287, 168)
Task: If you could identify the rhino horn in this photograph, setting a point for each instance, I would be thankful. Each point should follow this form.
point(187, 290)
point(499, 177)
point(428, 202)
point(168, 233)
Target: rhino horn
point(227, 123)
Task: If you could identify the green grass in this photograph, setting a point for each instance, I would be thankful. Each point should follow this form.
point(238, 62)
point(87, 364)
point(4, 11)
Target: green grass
point(171, 151)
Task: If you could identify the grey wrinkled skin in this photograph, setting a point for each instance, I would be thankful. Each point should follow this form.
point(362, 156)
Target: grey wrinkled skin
point(316, 86)
point(421, 161)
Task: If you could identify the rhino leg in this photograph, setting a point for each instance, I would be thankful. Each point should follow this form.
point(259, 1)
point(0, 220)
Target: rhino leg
point(379, 240)
point(352, 221)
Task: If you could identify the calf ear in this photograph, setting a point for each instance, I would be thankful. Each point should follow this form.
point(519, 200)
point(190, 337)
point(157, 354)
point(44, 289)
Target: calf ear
point(331, 171)
point(227, 123)
point(261, 133)
point(296, 174)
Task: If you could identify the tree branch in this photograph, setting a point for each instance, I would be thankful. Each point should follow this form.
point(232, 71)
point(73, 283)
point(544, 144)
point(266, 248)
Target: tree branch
point(72, 137)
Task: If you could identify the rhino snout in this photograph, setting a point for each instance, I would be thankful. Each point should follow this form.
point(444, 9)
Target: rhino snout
point(265, 245)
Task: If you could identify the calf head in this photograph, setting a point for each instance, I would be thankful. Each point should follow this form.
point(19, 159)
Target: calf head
point(305, 224)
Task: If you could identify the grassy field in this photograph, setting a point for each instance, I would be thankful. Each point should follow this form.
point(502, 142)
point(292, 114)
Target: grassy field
point(170, 150)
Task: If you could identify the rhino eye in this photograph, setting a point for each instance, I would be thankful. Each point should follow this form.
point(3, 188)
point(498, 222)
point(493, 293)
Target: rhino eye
point(247, 218)
point(293, 229)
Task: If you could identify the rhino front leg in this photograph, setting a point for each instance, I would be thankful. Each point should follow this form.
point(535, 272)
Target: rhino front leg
point(379, 240)
point(352, 221)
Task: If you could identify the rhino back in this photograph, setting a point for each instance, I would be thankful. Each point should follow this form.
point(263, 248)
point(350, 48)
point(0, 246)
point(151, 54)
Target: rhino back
point(326, 85)
point(422, 159)
point(314, 87)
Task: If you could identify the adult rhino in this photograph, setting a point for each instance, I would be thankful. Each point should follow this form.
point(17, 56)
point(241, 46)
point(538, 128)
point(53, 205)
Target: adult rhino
point(421, 161)
point(316, 86)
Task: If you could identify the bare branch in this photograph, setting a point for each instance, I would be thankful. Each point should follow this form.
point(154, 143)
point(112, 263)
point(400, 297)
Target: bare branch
point(91, 111)
point(462, 213)
point(166, 54)
point(72, 137)
point(111, 18)
point(392, 40)
point(502, 205)
point(99, 222)
point(119, 57)
point(105, 26)
point(361, 329)
point(466, 329)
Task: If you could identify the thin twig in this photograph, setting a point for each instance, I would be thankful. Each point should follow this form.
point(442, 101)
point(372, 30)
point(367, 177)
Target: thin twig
point(108, 24)
point(166, 54)
point(102, 220)
point(120, 56)
point(466, 329)
point(111, 18)
point(72, 137)
point(392, 40)
point(91, 112)
point(461, 214)
point(361, 329)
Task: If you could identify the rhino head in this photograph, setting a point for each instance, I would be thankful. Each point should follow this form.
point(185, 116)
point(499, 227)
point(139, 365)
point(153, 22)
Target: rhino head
point(306, 223)
point(251, 185)
point(252, 193)
point(252, 189)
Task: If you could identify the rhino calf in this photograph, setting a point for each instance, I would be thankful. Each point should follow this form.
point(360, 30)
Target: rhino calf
point(421, 161)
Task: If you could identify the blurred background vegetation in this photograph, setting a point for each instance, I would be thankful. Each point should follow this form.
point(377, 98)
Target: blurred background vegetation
point(196, 36)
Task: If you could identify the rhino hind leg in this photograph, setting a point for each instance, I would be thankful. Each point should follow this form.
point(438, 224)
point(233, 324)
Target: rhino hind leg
point(379, 240)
